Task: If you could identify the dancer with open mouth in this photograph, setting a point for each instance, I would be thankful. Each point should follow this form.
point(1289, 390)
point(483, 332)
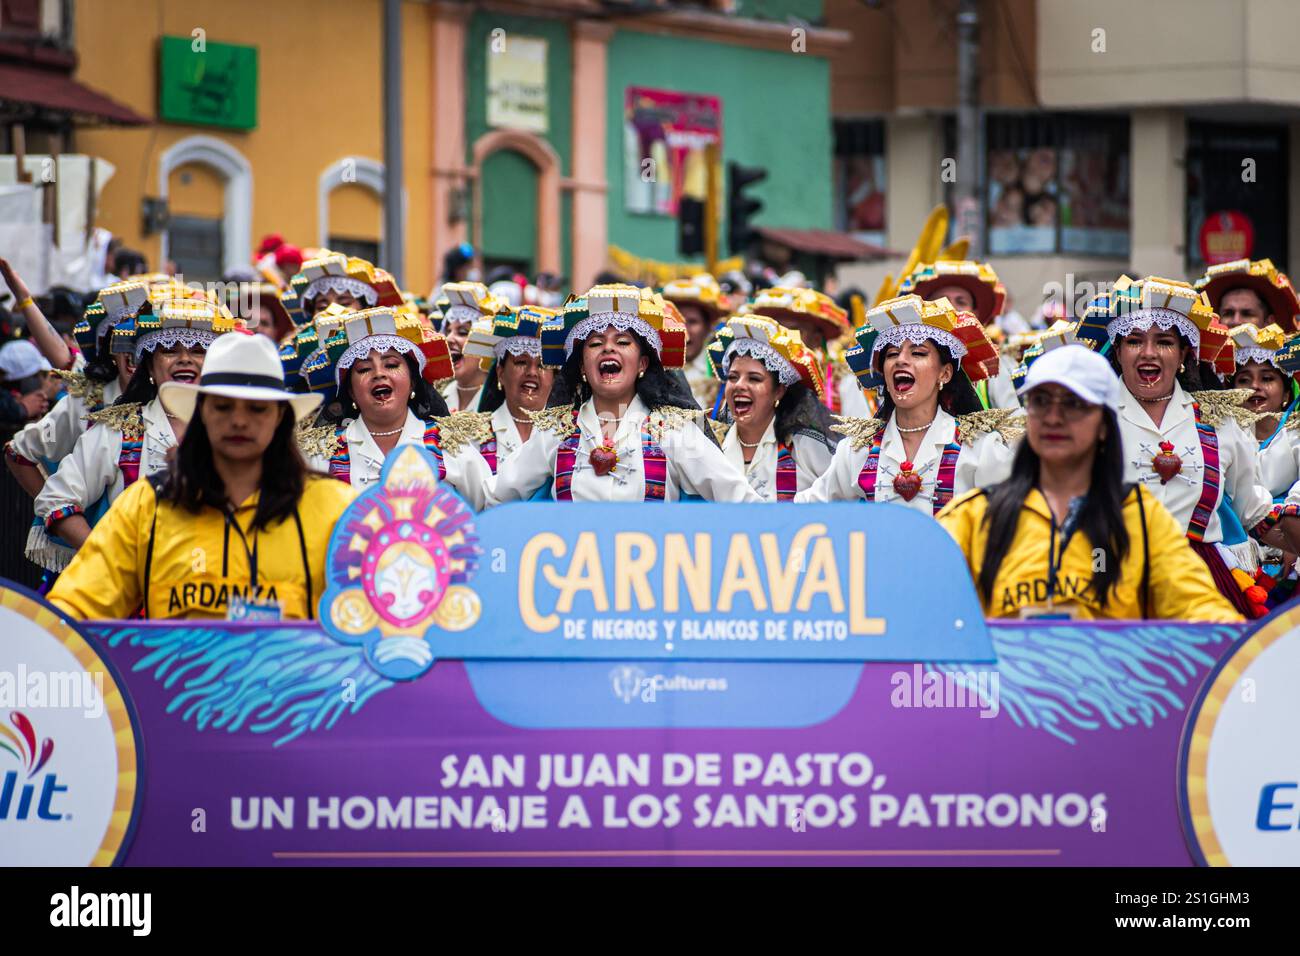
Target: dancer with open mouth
point(633, 432)
point(335, 279)
point(1187, 446)
point(930, 439)
point(383, 364)
point(780, 432)
point(517, 385)
point(1266, 366)
point(468, 303)
point(1251, 292)
point(131, 438)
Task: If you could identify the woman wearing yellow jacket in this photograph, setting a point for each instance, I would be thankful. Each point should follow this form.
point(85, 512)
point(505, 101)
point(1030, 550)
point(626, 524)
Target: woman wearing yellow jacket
point(237, 527)
point(1063, 536)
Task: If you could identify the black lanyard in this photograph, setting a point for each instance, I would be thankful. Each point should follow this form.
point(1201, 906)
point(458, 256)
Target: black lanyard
point(250, 555)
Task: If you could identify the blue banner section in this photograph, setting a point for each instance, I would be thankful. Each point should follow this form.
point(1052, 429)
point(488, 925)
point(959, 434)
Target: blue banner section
point(414, 576)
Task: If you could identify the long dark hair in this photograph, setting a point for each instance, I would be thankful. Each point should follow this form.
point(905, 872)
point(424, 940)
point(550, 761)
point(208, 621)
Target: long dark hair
point(193, 482)
point(141, 387)
point(958, 397)
point(1101, 520)
point(101, 367)
point(426, 404)
point(657, 387)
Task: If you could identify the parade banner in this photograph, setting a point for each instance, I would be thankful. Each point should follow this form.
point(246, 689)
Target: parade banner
point(437, 715)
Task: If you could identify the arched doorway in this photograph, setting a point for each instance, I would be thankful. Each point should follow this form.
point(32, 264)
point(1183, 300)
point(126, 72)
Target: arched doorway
point(528, 173)
point(350, 201)
point(236, 177)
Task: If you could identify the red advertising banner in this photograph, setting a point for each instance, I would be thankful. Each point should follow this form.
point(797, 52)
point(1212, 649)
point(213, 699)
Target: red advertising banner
point(665, 134)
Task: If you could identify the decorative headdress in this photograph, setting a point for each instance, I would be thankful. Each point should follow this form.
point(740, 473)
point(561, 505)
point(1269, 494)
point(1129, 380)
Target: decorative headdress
point(114, 303)
point(385, 329)
point(518, 332)
point(192, 322)
point(781, 351)
point(1141, 304)
point(1061, 332)
point(1253, 344)
point(469, 302)
point(334, 272)
point(783, 304)
point(910, 318)
point(701, 290)
point(623, 307)
point(1260, 276)
point(977, 278)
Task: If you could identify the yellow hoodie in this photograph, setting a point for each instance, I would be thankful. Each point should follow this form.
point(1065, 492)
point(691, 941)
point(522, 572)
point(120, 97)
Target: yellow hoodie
point(196, 562)
point(1180, 584)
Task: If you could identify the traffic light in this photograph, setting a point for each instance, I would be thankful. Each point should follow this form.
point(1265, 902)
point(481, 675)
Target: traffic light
point(741, 208)
point(690, 226)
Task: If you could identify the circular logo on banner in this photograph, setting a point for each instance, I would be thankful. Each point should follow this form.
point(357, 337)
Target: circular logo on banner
point(1239, 781)
point(69, 744)
point(1226, 236)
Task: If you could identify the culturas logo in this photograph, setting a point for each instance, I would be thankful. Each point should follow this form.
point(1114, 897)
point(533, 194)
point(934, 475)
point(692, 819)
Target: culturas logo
point(630, 683)
point(24, 795)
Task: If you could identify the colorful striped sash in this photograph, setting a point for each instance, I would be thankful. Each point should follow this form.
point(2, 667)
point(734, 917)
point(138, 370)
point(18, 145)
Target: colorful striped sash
point(944, 483)
point(128, 462)
point(488, 450)
point(653, 462)
point(787, 480)
point(341, 460)
point(1209, 439)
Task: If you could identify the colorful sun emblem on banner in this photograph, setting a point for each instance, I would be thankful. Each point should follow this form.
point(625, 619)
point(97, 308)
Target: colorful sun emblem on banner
point(398, 566)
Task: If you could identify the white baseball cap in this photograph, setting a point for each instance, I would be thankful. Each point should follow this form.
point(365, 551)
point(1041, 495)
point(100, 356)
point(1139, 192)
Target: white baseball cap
point(20, 359)
point(238, 365)
point(1079, 369)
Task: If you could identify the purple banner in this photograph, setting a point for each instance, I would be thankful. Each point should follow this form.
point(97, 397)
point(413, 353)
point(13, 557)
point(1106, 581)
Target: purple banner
point(1064, 753)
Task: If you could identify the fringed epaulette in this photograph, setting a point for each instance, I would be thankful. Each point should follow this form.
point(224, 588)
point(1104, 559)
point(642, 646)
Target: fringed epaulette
point(558, 420)
point(1217, 406)
point(80, 386)
point(319, 441)
point(1007, 423)
point(720, 429)
point(669, 418)
point(120, 418)
point(859, 431)
point(459, 429)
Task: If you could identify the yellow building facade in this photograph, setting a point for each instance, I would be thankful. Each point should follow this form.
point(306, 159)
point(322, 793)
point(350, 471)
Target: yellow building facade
point(311, 169)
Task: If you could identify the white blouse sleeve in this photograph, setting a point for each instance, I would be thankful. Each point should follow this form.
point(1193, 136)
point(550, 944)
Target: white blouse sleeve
point(530, 468)
point(84, 475)
point(53, 436)
point(700, 468)
point(839, 482)
point(812, 459)
point(470, 475)
point(1250, 499)
point(984, 463)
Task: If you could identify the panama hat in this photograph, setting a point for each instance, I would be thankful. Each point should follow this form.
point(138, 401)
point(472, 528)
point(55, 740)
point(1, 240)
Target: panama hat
point(238, 365)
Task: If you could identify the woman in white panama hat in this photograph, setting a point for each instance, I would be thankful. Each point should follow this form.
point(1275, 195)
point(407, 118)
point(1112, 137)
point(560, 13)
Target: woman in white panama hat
point(237, 527)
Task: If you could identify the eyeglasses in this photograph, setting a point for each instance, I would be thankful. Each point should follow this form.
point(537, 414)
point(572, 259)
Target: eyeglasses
point(1072, 407)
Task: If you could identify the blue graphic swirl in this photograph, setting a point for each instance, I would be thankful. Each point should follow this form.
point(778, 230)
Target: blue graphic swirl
point(277, 680)
point(1063, 679)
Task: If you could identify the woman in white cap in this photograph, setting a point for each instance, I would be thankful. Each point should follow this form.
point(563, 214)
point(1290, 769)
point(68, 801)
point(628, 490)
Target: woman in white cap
point(1064, 536)
point(632, 432)
point(237, 527)
point(1187, 446)
point(130, 438)
point(517, 386)
point(930, 439)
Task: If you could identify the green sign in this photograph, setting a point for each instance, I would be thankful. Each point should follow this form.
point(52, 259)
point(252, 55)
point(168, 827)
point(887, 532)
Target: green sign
point(206, 83)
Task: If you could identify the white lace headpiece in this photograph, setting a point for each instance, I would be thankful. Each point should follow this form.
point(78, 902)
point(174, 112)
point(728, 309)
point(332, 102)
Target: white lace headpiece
point(339, 284)
point(916, 332)
point(603, 321)
point(171, 336)
point(1140, 320)
point(377, 343)
point(772, 360)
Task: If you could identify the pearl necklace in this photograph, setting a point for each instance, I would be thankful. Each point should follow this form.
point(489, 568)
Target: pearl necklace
point(745, 444)
point(521, 421)
point(921, 428)
point(1162, 399)
point(375, 434)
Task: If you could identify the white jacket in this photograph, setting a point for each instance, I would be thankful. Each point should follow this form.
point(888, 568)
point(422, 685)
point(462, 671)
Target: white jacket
point(984, 458)
point(51, 439)
point(694, 464)
point(811, 453)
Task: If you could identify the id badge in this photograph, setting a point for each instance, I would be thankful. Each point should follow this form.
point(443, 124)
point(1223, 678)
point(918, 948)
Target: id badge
point(1047, 614)
point(245, 609)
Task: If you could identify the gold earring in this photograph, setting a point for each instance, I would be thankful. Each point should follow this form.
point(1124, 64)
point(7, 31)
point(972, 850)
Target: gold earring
point(777, 403)
point(412, 393)
point(1182, 366)
point(640, 374)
